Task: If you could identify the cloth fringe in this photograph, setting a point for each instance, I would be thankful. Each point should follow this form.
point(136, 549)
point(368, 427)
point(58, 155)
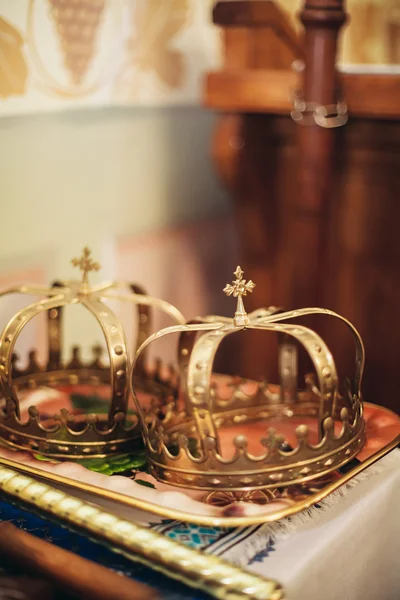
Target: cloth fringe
point(263, 539)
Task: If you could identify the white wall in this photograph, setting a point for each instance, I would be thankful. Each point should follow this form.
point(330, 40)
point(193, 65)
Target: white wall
point(92, 177)
point(85, 177)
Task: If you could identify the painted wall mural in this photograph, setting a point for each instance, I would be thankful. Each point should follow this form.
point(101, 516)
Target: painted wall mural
point(372, 35)
point(13, 68)
point(61, 54)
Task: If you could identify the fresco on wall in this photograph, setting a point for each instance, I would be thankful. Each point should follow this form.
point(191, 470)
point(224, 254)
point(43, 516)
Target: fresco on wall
point(76, 25)
point(13, 68)
point(150, 49)
point(62, 54)
point(372, 34)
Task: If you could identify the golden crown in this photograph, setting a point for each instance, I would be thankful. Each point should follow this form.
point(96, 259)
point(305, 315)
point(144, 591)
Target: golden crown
point(202, 440)
point(79, 435)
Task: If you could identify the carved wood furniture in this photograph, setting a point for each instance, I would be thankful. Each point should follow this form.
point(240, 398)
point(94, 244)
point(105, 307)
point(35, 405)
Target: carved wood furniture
point(317, 210)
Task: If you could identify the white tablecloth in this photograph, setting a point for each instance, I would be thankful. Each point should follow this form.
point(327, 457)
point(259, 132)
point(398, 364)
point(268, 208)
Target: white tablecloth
point(348, 551)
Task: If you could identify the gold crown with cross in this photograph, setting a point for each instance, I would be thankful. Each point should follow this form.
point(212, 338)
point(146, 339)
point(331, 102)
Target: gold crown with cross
point(232, 434)
point(76, 432)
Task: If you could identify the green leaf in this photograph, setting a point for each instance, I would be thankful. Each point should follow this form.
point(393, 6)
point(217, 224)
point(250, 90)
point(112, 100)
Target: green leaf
point(45, 458)
point(111, 465)
point(92, 404)
point(145, 483)
point(138, 461)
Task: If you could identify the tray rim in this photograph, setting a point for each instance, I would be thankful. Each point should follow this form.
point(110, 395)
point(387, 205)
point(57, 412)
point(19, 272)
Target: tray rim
point(208, 521)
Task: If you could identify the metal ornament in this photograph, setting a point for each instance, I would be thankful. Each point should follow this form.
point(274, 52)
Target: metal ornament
point(89, 435)
point(182, 439)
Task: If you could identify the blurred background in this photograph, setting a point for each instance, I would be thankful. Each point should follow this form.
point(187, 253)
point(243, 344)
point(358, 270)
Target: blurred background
point(113, 135)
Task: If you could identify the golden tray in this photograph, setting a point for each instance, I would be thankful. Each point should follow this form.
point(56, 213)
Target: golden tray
point(226, 510)
point(121, 521)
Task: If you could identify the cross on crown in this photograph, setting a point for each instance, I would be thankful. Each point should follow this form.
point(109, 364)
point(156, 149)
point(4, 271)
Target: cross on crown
point(239, 288)
point(86, 264)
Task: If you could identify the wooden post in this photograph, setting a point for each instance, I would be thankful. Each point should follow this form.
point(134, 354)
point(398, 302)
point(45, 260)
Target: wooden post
point(257, 36)
point(322, 20)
